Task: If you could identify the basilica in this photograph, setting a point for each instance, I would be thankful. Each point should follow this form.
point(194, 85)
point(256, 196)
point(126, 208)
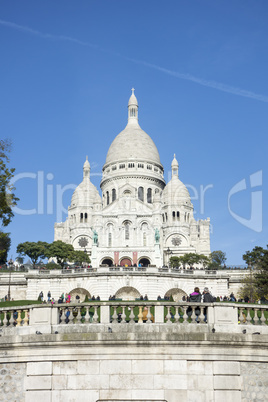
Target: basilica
point(139, 219)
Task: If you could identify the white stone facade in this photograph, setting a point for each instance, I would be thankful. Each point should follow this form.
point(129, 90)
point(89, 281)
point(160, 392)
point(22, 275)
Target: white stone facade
point(139, 217)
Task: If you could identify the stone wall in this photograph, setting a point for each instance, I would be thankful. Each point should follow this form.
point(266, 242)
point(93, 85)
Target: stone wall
point(12, 378)
point(145, 366)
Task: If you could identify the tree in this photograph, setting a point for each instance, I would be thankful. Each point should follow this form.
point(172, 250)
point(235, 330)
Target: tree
point(218, 258)
point(253, 257)
point(5, 243)
point(7, 196)
point(63, 252)
point(204, 260)
point(255, 285)
point(248, 288)
point(33, 250)
point(80, 257)
point(175, 261)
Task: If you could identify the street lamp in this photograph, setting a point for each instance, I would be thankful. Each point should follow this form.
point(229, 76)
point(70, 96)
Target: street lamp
point(169, 252)
point(10, 263)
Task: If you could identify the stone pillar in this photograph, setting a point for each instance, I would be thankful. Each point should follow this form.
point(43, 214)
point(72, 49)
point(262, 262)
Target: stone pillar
point(157, 255)
point(94, 256)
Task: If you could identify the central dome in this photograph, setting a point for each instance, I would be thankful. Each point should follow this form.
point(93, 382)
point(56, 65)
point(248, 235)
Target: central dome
point(133, 143)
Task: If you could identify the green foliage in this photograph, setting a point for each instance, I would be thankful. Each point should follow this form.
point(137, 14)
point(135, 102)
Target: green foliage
point(257, 280)
point(5, 243)
point(63, 252)
point(248, 288)
point(86, 299)
point(175, 261)
point(253, 257)
point(218, 258)
point(189, 259)
point(52, 265)
point(171, 298)
point(80, 257)
point(33, 250)
point(7, 196)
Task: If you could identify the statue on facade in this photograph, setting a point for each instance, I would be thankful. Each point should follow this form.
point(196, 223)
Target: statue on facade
point(156, 235)
point(95, 237)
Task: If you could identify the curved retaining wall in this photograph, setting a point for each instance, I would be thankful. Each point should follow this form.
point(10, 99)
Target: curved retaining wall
point(138, 363)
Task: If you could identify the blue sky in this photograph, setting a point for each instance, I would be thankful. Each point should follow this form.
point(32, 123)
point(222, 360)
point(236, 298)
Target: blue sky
point(200, 73)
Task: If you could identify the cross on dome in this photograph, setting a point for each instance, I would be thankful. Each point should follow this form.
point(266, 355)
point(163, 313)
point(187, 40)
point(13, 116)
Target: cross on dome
point(132, 89)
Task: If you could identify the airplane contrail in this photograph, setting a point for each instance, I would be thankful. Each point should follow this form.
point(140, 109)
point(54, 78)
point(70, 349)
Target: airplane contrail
point(188, 77)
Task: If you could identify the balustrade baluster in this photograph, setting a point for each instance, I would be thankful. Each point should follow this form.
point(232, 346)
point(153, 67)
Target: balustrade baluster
point(5, 320)
point(193, 317)
point(149, 315)
point(262, 319)
point(79, 317)
point(26, 319)
point(177, 315)
point(185, 315)
point(87, 315)
point(168, 316)
point(248, 318)
point(241, 316)
point(71, 316)
point(114, 317)
point(140, 321)
point(131, 315)
point(202, 315)
point(11, 319)
point(123, 315)
point(19, 319)
point(95, 316)
point(255, 318)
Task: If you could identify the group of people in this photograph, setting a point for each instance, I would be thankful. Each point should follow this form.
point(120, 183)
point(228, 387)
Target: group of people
point(197, 297)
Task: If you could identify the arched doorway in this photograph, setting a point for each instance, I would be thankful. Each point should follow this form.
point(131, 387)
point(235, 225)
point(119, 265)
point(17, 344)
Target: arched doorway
point(144, 262)
point(177, 294)
point(107, 261)
point(127, 293)
point(125, 261)
point(81, 293)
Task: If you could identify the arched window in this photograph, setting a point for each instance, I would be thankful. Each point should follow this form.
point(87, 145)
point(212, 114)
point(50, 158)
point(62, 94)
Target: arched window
point(173, 215)
point(81, 217)
point(85, 217)
point(107, 197)
point(141, 193)
point(126, 230)
point(113, 194)
point(149, 195)
point(163, 216)
point(178, 215)
point(109, 239)
point(144, 239)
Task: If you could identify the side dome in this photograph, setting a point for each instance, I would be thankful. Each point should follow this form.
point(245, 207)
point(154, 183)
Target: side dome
point(85, 195)
point(175, 193)
point(133, 143)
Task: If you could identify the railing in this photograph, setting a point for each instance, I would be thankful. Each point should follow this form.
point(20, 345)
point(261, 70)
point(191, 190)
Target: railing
point(231, 315)
point(14, 316)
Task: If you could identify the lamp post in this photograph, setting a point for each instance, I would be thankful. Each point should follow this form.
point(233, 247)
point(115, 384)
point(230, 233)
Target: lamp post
point(169, 252)
point(10, 262)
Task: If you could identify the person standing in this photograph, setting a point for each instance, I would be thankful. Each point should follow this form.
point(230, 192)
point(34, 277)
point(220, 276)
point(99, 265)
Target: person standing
point(194, 297)
point(207, 298)
point(48, 296)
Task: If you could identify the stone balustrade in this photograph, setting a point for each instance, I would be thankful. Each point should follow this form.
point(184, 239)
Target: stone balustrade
point(226, 317)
